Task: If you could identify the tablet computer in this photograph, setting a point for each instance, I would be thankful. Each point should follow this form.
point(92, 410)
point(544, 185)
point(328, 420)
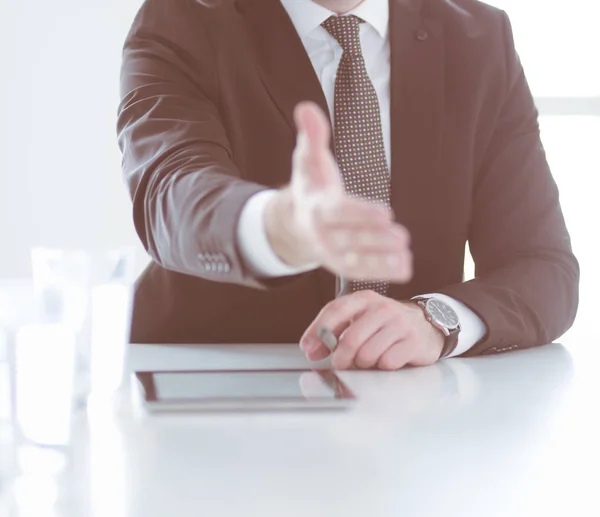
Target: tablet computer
point(239, 390)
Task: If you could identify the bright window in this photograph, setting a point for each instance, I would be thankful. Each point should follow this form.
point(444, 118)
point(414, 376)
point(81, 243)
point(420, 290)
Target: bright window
point(559, 44)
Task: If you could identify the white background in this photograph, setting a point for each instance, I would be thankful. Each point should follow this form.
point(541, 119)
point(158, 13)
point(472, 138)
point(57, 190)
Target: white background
point(60, 181)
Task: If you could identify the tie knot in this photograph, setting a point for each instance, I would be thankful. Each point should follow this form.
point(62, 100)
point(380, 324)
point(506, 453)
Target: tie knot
point(346, 30)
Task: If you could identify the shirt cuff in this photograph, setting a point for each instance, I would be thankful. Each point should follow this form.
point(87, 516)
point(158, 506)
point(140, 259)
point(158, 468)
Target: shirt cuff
point(472, 329)
point(254, 244)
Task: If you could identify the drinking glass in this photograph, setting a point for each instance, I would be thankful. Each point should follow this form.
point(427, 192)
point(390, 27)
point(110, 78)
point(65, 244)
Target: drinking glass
point(92, 294)
point(22, 470)
point(65, 332)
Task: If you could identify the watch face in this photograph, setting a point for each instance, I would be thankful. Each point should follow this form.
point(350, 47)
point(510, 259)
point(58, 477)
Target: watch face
point(442, 314)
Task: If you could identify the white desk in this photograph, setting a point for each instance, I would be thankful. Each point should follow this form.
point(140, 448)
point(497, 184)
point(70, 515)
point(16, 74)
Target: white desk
point(516, 435)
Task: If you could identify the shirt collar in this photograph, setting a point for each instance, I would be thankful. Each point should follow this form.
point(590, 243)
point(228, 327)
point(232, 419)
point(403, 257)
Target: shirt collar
point(306, 15)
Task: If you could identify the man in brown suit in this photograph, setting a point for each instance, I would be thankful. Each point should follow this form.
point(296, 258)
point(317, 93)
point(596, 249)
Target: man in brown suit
point(300, 164)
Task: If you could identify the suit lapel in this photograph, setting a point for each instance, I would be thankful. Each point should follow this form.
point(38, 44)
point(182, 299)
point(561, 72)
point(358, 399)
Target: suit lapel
point(285, 68)
point(417, 115)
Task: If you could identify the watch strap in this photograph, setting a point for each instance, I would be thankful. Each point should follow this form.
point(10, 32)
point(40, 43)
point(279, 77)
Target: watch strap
point(450, 343)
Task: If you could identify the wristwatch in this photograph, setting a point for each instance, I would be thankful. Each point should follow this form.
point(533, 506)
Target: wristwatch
point(442, 317)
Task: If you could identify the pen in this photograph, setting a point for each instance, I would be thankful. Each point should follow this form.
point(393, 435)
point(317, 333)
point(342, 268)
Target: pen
point(328, 338)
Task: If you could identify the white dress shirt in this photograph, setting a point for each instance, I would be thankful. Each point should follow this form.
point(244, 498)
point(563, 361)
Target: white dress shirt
point(325, 55)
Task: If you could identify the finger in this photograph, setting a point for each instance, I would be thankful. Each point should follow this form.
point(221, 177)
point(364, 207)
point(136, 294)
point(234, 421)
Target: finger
point(336, 316)
point(364, 239)
point(348, 210)
point(312, 123)
point(358, 265)
point(395, 357)
point(362, 254)
point(316, 348)
point(313, 146)
point(316, 352)
point(370, 353)
point(356, 335)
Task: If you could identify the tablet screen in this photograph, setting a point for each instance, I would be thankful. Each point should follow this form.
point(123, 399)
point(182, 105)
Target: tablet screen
point(224, 385)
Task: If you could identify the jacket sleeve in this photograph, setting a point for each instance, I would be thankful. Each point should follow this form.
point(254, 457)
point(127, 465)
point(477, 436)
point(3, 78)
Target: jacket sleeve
point(526, 277)
point(177, 162)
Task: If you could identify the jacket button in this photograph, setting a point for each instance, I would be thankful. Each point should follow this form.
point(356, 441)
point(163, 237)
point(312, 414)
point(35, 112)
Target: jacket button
point(422, 35)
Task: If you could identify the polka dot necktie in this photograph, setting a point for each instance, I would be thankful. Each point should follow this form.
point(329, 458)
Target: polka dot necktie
point(358, 135)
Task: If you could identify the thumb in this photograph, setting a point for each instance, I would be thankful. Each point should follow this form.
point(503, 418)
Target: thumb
point(314, 133)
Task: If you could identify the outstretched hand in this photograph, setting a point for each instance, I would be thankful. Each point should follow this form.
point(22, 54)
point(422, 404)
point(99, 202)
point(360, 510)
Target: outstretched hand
point(313, 220)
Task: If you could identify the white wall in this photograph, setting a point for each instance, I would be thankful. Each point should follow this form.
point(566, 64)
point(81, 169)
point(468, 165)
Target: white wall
point(60, 181)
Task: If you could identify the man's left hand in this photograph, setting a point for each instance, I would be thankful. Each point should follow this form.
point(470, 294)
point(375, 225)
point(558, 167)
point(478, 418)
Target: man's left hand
point(374, 332)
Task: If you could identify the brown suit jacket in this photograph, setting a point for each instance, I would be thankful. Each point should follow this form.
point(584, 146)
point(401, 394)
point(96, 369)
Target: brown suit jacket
point(205, 122)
